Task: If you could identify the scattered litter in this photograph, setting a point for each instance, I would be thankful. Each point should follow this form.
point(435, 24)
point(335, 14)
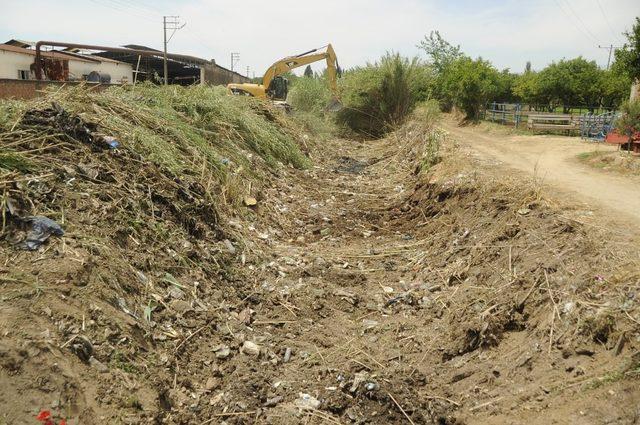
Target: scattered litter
point(82, 347)
point(222, 351)
point(227, 243)
point(123, 306)
point(41, 229)
point(357, 380)
point(371, 386)
point(250, 348)
point(524, 211)
point(250, 201)
point(111, 142)
point(568, 307)
point(271, 402)
point(287, 355)
point(307, 402)
point(369, 324)
point(60, 120)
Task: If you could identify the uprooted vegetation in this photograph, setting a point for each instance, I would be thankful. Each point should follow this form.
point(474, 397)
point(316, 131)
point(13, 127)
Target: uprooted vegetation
point(199, 280)
point(139, 180)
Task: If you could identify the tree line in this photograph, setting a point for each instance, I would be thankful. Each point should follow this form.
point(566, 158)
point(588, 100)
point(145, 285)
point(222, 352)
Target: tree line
point(381, 94)
point(568, 83)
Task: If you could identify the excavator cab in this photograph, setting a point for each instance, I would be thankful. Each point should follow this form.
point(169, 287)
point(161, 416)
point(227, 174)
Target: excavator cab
point(278, 88)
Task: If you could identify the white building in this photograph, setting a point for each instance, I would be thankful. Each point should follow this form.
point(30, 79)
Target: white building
point(16, 62)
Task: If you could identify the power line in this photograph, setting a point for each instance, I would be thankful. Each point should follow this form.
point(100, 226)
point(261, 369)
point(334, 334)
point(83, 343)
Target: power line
point(569, 18)
point(593, 37)
point(169, 23)
point(610, 49)
point(123, 11)
point(604, 15)
point(235, 58)
point(139, 7)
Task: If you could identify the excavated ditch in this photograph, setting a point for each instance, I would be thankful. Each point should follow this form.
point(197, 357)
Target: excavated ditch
point(363, 290)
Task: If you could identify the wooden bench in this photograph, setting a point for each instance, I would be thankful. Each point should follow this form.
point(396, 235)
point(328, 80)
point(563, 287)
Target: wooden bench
point(551, 122)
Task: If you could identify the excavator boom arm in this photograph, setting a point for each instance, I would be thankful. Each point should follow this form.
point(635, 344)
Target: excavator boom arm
point(287, 64)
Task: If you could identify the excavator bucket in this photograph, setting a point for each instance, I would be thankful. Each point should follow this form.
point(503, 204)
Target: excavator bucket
point(334, 105)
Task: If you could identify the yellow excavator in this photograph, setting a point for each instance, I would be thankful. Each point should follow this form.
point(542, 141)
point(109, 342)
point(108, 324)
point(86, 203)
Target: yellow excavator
point(276, 87)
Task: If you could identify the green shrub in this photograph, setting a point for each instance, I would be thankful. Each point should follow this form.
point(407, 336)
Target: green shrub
point(309, 94)
point(629, 122)
point(309, 97)
point(379, 96)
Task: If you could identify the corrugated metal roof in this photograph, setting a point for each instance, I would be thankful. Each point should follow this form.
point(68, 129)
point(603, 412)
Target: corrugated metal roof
point(60, 55)
point(20, 43)
point(46, 54)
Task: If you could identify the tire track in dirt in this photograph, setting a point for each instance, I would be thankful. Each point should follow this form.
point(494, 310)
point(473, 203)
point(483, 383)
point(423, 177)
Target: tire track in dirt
point(552, 159)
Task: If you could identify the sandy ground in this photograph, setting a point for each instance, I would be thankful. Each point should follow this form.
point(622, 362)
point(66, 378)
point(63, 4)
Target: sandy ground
point(553, 160)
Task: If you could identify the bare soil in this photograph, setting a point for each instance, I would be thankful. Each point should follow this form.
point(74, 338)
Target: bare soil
point(364, 290)
point(553, 160)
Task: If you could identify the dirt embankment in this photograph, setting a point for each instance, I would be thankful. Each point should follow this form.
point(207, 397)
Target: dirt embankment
point(369, 288)
point(621, 162)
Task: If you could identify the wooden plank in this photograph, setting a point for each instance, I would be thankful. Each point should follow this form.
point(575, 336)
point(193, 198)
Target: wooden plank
point(550, 117)
point(553, 127)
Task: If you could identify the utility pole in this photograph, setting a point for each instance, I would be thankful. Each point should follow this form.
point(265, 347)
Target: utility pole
point(610, 48)
point(247, 71)
point(169, 23)
point(235, 58)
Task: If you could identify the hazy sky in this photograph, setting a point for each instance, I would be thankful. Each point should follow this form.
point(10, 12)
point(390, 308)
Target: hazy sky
point(507, 32)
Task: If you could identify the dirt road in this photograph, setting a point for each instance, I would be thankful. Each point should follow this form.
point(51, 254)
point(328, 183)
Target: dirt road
point(553, 159)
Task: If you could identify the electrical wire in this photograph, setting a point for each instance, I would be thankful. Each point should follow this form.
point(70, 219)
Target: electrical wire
point(588, 31)
point(123, 11)
point(143, 11)
point(138, 7)
point(564, 12)
point(604, 15)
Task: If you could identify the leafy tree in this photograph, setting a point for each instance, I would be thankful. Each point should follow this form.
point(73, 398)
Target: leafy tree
point(526, 89)
point(628, 57)
point(570, 83)
point(505, 83)
point(308, 72)
point(440, 52)
point(470, 84)
point(615, 86)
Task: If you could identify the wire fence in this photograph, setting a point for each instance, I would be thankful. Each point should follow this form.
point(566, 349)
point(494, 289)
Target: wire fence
point(591, 123)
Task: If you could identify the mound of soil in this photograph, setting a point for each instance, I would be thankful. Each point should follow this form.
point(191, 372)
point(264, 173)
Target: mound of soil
point(620, 162)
